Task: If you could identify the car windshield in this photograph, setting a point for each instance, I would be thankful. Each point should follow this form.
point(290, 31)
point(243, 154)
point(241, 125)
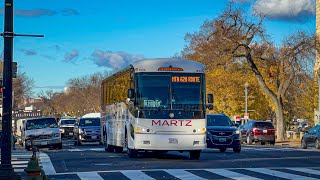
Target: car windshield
point(41, 123)
point(90, 122)
point(213, 120)
point(169, 91)
point(63, 122)
point(263, 125)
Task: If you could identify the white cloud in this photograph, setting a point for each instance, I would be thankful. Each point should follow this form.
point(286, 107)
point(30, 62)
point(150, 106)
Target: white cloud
point(291, 10)
point(71, 56)
point(115, 60)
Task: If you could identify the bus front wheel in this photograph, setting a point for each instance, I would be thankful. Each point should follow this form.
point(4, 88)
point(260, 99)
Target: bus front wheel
point(132, 153)
point(195, 154)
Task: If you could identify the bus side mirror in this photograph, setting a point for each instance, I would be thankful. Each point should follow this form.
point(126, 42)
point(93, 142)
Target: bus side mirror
point(131, 93)
point(210, 98)
point(210, 106)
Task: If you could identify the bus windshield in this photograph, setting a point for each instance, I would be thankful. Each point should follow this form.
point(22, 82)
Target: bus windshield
point(170, 91)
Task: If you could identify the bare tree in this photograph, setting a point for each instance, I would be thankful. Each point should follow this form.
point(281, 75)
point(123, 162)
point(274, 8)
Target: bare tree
point(233, 38)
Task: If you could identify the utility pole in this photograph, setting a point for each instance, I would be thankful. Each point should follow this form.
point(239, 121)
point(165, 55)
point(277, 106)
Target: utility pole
point(6, 169)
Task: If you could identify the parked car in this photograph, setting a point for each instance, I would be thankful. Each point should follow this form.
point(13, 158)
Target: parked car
point(258, 131)
point(311, 138)
point(221, 133)
point(241, 130)
point(43, 132)
point(87, 130)
point(66, 127)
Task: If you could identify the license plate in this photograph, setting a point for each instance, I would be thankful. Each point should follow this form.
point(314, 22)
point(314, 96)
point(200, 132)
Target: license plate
point(265, 131)
point(222, 139)
point(173, 140)
point(93, 137)
point(70, 133)
point(43, 143)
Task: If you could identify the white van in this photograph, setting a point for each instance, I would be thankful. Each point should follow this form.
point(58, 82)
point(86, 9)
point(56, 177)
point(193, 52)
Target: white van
point(44, 132)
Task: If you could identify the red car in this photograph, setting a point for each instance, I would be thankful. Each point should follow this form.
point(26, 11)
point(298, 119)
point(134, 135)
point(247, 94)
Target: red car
point(258, 131)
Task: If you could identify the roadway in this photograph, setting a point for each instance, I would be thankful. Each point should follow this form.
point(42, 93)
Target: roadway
point(254, 162)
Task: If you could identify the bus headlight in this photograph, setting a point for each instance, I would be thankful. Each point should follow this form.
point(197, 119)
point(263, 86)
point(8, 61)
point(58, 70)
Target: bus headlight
point(236, 132)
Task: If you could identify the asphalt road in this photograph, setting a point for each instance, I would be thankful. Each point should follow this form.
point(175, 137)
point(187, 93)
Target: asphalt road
point(91, 162)
point(254, 162)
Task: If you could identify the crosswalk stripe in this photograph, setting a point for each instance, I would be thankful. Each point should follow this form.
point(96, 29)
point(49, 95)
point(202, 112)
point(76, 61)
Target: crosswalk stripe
point(306, 170)
point(231, 174)
point(19, 170)
point(19, 166)
point(183, 175)
point(19, 162)
point(279, 174)
point(47, 164)
point(136, 174)
point(89, 176)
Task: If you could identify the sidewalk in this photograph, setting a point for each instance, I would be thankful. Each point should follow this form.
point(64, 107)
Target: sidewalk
point(288, 143)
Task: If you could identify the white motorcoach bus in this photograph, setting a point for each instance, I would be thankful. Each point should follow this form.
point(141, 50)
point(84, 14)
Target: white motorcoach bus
point(155, 105)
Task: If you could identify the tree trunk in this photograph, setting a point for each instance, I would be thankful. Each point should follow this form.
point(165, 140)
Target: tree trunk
point(280, 121)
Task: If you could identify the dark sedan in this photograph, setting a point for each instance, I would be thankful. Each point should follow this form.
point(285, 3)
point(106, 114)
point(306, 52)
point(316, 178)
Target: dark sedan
point(311, 138)
point(221, 133)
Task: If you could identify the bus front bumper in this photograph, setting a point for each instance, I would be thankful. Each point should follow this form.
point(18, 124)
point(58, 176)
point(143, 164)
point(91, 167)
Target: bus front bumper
point(170, 142)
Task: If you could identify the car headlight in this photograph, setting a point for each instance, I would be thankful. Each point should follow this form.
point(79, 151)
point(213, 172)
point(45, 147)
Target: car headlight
point(236, 132)
point(62, 130)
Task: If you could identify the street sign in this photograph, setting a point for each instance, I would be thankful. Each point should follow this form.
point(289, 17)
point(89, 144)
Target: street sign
point(14, 69)
point(246, 116)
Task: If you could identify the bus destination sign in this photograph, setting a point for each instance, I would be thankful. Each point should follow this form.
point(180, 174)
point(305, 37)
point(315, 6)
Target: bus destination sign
point(185, 79)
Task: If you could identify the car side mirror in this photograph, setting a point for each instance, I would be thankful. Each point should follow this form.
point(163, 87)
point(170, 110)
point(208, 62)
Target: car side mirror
point(131, 93)
point(210, 98)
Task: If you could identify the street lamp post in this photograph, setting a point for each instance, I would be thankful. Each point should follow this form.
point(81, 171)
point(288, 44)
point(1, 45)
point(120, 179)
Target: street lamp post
point(6, 169)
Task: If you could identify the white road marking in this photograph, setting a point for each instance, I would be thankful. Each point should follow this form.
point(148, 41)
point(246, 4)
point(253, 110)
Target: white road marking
point(47, 164)
point(19, 170)
point(97, 149)
point(306, 170)
point(135, 175)
point(231, 175)
point(279, 174)
point(103, 164)
point(19, 166)
point(183, 175)
point(19, 162)
point(75, 150)
point(89, 176)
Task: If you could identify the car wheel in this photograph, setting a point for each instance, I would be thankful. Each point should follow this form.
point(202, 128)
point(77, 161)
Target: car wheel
point(118, 149)
point(59, 146)
point(303, 144)
point(195, 155)
point(273, 142)
point(223, 149)
point(317, 144)
point(263, 143)
point(249, 141)
point(237, 150)
point(109, 148)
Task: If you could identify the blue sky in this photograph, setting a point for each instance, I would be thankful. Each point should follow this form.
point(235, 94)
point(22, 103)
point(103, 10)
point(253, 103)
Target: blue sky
point(83, 37)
